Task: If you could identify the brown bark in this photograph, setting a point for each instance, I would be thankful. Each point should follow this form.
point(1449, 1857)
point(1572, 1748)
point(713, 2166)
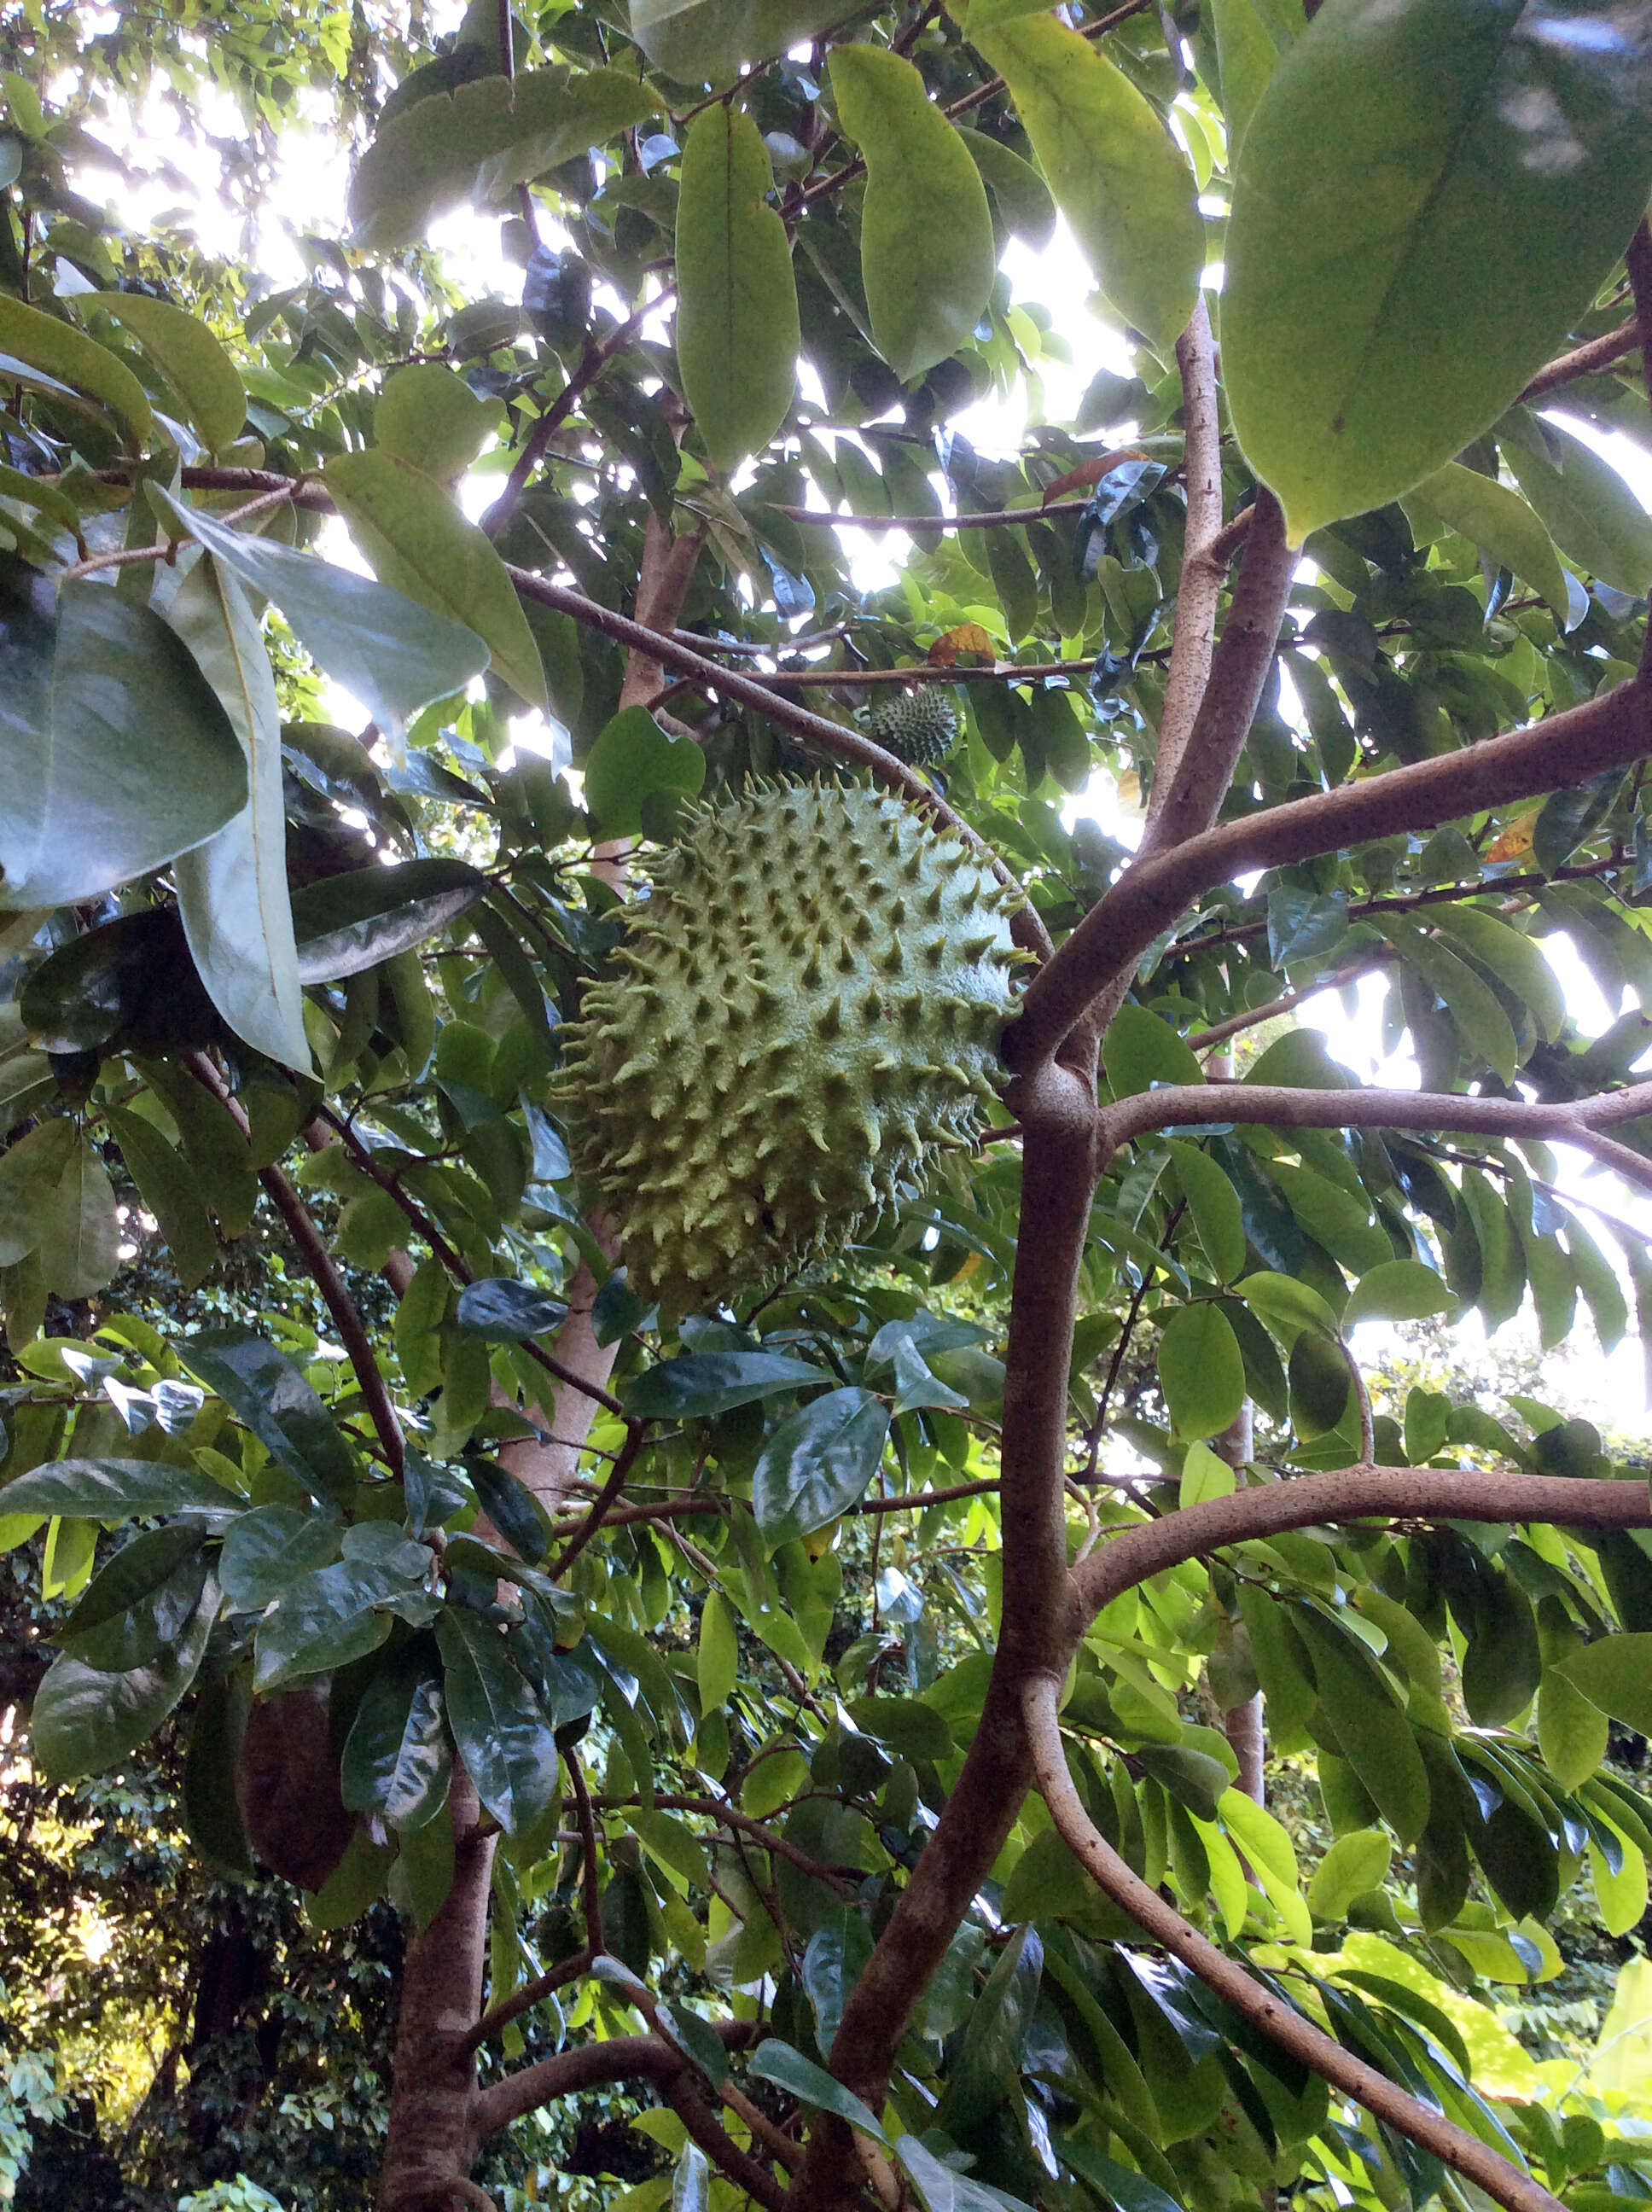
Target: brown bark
point(433, 2130)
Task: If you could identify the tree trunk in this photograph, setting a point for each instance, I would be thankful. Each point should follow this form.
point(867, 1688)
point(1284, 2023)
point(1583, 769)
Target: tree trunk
point(431, 2140)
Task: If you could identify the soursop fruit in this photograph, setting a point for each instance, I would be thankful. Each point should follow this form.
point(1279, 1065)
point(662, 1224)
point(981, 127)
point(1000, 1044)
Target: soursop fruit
point(806, 1007)
point(917, 726)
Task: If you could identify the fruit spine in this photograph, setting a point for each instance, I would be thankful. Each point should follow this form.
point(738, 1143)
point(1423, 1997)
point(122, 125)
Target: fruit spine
point(808, 1004)
point(917, 726)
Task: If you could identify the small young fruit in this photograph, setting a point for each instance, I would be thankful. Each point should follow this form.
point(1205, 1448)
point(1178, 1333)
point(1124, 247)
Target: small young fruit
point(917, 726)
point(806, 1007)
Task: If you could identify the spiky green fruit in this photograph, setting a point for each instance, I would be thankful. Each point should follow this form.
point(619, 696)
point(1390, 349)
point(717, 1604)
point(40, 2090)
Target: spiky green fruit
point(808, 1004)
point(916, 727)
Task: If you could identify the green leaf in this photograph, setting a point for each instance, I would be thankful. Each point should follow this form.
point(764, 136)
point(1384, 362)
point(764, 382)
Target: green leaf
point(1474, 1007)
point(788, 2070)
point(419, 543)
point(45, 343)
point(78, 1233)
point(397, 654)
point(232, 891)
point(268, 1549)
point(1200, 1370)
point(85, 1722)
point(1249, 39)
point(427, 414)
point(927, 256)
point(1397, 1290)
point(483, 140)
point(1332, 1215)
point(1117, 176)
point(1288, 1305)
point(1121, 2184)
point(190, 358)
point(737, 318)
point(1571, 1730)
point(398, 1758)
point(632, 760)
point(818, 1463)
point(692, 2180)
point(115, 754)
point(504, 1311)
point(1205, 1473)
point(1499, 522)
point(345, 924)
point(1472, 173)
point(1355, 1864)
point(170, 1192)
point(718, 1663)
point(1592, 514)
point(499, 1727)
point(1369, 1725)
point(114, 1490)
point(1020, 194)
point(1141, 1050)
point(28, 1171)
point(705, 41)
point(994, 2037)
point(140, 1601)
point(1214, 1204)
point(1516, 960)
point(1614, 1673)
point(706, 1383)
point(263, 1389)
point(909, 1728)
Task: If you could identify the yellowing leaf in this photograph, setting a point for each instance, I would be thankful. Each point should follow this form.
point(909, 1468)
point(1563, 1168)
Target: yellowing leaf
point(968, 637)
point(1516, 840)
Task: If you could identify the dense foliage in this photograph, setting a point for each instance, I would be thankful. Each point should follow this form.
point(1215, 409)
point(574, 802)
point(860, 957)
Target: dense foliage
point(838, 1723)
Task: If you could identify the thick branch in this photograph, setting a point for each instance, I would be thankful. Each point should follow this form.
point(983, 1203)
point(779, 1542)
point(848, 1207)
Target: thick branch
point(1201, 587)
point(594, 2066)
point(1580, 1121)
point(1203, 762)
point(1305, 2042)
point(1383, 1494)
point(1561, 751)
point(1638, 262)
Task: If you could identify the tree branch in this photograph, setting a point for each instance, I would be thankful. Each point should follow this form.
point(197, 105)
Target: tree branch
point(1305, 2042)
point(323, 1271)
point(1202, 575)
point(831, 737)
point(1580, 1121)
point(1584, 360)
point(1637, 260)
point(1561, 751)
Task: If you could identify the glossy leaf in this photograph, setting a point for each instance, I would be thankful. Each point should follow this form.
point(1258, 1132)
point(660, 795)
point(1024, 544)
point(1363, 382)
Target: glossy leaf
point(737, 320)
point(114, 1490)
point(349, 923)
point(393, 652)
point(500, 1731)
point(115, 753)
point(232, 891)
point(714, 1382)
point(85, 1722)
point(818, 1462)
point(421, 545)
point(508, 1312)
point(926, 255)
point(1119, 180)
point(263, 1388)
point(398, 1758)
point(268, 1549)
point(788, 2070)
point(1472, 176)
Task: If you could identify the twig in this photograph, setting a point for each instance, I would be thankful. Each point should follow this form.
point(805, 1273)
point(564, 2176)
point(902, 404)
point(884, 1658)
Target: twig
point(611, 1490)
point(1638, 261)
point(319, 1261)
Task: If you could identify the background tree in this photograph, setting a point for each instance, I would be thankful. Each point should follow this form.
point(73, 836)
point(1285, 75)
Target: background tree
point(797, 1713)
